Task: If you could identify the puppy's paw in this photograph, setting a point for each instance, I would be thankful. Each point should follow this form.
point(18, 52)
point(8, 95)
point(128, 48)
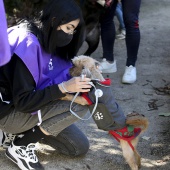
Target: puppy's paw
point(137, 120)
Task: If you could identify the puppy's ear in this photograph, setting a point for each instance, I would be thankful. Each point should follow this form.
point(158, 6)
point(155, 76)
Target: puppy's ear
point(76, 61)
point(75, 71)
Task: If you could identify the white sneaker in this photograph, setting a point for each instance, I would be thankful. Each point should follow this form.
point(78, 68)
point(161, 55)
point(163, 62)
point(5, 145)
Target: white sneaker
point(129, 75)
point(6, 139)
point(107, 67)
point(24, 157)
point(120, 34)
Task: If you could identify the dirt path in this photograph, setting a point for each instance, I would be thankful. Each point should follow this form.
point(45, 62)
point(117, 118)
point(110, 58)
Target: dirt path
point(153, 69)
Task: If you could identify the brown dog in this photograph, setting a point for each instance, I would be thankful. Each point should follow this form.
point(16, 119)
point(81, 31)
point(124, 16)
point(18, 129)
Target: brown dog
point(87, 65)
point(129, 152)
point(84, 65)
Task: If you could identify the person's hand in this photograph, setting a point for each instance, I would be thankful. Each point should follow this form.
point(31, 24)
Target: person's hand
point(77, 84)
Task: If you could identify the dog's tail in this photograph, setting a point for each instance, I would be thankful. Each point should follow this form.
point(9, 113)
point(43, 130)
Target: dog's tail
point(137, 120)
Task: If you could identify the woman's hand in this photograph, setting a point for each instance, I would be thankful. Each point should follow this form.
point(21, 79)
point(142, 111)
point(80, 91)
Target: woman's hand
point(76, 84)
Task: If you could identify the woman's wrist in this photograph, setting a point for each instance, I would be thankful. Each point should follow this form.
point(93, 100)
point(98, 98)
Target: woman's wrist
point(63, 88)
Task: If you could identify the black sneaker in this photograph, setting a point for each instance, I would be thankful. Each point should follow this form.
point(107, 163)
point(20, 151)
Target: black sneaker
point(6, 139)
point(24, 157)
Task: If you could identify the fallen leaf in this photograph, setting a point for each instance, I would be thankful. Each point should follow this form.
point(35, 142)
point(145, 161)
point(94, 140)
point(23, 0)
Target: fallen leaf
point(145, 137)
point(164, 114)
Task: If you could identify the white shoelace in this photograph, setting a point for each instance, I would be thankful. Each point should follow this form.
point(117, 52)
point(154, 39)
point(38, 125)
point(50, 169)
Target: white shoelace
point(30, 152)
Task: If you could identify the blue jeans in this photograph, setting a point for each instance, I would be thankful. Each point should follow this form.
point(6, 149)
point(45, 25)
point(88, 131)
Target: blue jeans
point(119, 16)
point(130, 10)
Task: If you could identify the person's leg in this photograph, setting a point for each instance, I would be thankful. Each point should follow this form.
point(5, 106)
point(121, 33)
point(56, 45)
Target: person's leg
point(55, 116)
point(108, 32)
point(131, 17)
point(119, 16)
point(121, 31)
point(108, 64)
point(70, 141)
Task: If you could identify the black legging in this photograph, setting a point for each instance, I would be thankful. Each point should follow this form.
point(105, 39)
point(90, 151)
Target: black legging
point(130, 16)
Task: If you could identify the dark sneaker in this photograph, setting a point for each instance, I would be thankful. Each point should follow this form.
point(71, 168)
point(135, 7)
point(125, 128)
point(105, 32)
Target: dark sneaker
point(6, 139)
point(24, 157)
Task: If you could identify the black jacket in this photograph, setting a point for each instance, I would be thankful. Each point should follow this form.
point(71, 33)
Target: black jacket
point(18, 86)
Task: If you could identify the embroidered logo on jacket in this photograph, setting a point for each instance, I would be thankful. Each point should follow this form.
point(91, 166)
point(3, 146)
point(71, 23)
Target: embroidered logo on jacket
point(50, 64)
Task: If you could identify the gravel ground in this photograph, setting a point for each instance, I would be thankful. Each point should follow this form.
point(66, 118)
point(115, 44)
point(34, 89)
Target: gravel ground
point(153, 70)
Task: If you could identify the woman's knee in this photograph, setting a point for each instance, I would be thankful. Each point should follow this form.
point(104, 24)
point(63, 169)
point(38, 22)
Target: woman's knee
point(75, 141)
point(71, 141)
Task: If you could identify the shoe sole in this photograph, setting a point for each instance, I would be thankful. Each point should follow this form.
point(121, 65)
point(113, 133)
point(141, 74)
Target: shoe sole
point(108, 71)
point(8, 155)
point(128, 82)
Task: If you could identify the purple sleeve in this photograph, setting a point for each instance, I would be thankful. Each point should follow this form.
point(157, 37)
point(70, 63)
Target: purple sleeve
point(5, 54)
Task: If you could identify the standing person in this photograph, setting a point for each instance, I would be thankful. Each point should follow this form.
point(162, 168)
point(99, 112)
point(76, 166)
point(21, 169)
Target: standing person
point(130, 15)
point(35, 79)
point(121, 32)
point(5, 54)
